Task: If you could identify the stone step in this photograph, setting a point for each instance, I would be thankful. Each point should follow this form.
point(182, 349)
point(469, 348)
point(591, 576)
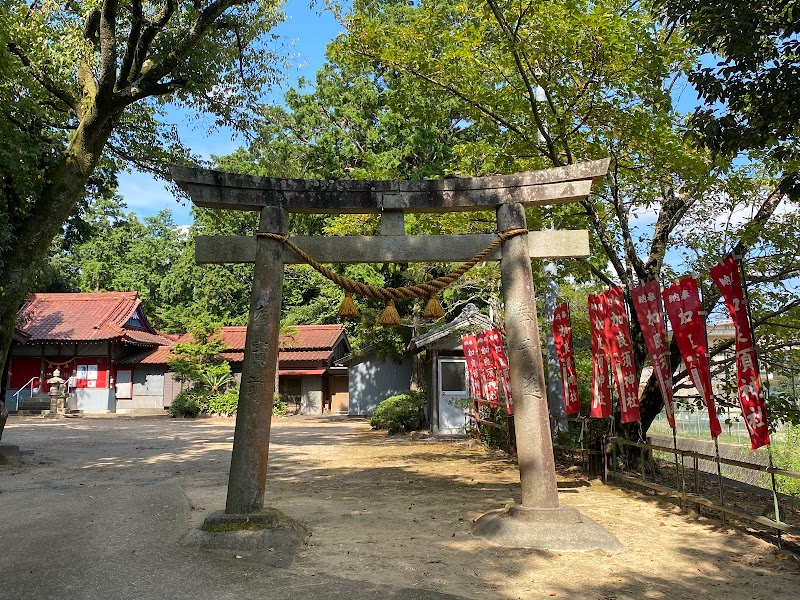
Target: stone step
point(34, 406)
point(45, 412)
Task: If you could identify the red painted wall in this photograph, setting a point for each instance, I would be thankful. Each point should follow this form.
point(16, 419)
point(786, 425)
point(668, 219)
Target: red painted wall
point(21, 370)
point(94, 371)
point(91, 372)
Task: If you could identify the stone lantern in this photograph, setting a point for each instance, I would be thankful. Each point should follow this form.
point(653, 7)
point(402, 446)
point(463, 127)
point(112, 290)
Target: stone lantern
point(57, 393)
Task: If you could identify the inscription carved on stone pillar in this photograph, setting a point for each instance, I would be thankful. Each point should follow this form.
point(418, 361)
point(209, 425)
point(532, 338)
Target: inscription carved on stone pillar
point(531, 419)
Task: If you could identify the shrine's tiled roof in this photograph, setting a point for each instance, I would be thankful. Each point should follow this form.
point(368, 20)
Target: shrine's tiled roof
point(290, 356)
point(299, 337)
point(76, 317)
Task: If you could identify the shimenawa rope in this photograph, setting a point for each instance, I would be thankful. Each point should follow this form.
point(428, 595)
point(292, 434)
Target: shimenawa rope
point(389, 316)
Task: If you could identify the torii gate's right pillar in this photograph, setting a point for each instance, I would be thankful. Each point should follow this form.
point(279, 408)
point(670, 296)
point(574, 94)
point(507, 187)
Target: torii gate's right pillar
point(528, 387)
point(539, 522)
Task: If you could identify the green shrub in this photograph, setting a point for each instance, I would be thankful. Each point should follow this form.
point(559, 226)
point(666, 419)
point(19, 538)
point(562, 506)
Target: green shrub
point(190, 403)
point(494, 437)
point(787, 457)
point(187, 403)
point(215, 376)
point(400, 413)
point(279, 407)
point(224, 403)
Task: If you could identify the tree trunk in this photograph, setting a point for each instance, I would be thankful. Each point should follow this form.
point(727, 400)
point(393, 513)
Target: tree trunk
point(3, 417)
point(34, 235)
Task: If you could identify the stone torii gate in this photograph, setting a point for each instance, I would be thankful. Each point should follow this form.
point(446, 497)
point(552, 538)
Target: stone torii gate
point(539, 522)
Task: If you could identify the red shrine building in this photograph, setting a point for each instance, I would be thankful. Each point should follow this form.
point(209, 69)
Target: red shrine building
point(84, 336)
point(115, 361)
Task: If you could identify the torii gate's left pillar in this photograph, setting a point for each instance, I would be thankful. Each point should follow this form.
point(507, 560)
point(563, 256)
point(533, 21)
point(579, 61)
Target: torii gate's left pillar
point(248, 474)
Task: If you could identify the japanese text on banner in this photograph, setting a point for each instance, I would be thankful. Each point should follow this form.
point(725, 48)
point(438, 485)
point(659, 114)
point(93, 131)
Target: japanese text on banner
point(562, 335)
point(601, 389)
point(754, 410)
point(500, 360)
point(487, 369)
point(470, 346)
point(647, 301)
point(685, 311)
point(618, 337)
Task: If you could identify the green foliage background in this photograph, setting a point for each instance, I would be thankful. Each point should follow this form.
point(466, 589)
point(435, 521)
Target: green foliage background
point(464, 88)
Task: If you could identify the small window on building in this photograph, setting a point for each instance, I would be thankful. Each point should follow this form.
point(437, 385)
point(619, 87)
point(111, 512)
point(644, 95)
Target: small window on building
point(289, 386)
point(453, 375)
point(134, 321)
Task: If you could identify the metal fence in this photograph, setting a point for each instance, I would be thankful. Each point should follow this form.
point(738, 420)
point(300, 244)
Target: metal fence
point(689, 490)
point(692, 478)
point(695, 425)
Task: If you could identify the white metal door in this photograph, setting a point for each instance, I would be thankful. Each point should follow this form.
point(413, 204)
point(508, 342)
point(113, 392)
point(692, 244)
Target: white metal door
point(124, 384)
point(452, 396)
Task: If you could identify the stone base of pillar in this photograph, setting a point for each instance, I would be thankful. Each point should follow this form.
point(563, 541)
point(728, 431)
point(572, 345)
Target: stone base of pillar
point(562, 529)
point(268, 536)
point(9, 450)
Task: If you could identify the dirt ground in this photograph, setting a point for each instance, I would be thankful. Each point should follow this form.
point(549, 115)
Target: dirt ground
point(397, 510)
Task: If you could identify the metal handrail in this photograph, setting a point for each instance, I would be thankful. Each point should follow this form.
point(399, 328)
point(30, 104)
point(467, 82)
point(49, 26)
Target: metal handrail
point(30, 383)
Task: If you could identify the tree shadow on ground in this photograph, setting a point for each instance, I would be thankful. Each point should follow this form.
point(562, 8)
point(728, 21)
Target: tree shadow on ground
point(393, 510)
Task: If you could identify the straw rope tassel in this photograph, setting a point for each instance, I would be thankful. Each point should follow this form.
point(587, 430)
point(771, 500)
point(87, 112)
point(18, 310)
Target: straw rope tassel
point(433, 309)
point(348, 309)
point(389, 317)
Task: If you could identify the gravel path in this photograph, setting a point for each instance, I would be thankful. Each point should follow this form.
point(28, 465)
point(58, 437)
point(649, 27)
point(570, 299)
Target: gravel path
point(96, 512)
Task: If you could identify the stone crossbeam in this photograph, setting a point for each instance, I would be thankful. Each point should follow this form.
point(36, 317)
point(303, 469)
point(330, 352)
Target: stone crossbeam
point(216, 189)
point(507, 195)
point(386, 249)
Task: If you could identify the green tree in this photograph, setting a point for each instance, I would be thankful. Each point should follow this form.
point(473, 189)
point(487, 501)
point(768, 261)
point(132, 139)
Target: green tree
point(87, 82)
point(197, 360)
point(347, 124)
point(220, 291)
point(550, 83)
point(747, 79)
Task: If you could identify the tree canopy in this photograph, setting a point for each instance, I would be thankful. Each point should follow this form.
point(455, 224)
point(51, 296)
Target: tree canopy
point(90, 84)
point(478, 87)
point(551, 83)
point(747, 79)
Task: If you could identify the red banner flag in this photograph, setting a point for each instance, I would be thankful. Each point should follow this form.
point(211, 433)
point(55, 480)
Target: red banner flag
point(754, 410)
point(487, 369)
point(601, 390)
point(470, 346)
point(647, 302)
point(562, 335)
point(618, 336)
point(500, 360)
point(685, 312)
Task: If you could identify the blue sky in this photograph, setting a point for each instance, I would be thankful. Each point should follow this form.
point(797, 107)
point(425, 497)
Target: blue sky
point(310, 30)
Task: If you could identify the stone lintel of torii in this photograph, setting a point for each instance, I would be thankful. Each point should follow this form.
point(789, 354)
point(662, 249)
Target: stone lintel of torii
point(539, 522)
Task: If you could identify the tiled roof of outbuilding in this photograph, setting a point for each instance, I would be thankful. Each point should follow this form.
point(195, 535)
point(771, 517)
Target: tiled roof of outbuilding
point(148, 356)
point(305, 344)
point(300, 337)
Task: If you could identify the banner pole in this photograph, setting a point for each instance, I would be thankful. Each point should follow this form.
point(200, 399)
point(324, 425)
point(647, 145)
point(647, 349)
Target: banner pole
point(663, 400)
point(629, 311)
point(677, 469)
point(719, 477)
point(776, 504)
point(711, 391)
